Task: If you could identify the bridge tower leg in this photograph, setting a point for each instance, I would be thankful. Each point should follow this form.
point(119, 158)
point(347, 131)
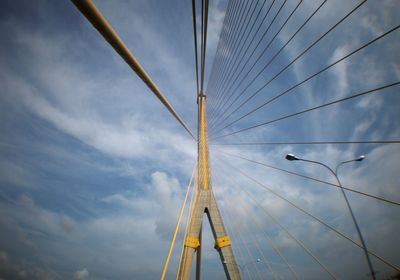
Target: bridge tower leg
point(205, 203)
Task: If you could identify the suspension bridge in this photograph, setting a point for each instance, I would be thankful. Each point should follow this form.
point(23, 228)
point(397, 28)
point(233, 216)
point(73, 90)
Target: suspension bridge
point(253, 55)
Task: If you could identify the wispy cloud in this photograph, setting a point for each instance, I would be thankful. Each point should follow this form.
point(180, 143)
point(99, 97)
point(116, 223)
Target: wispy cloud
point(93, 168)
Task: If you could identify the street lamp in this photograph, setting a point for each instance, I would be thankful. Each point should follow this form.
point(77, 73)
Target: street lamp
point(292, 157)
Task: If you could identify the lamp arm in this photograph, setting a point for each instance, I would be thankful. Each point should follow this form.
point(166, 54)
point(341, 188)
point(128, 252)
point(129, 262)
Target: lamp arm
point(349, 207)
point(327, 167)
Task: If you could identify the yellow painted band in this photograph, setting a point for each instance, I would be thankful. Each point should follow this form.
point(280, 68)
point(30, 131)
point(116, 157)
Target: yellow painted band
point(222, 241)
point(192, 242)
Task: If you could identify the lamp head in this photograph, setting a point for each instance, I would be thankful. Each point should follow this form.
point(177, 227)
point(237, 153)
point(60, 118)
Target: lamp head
point(360, 158)
point(291, 157)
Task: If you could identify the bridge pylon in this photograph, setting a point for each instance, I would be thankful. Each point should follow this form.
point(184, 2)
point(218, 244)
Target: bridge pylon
point(205, 202)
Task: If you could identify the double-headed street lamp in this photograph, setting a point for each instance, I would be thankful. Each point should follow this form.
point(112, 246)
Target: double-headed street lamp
point(292, 157)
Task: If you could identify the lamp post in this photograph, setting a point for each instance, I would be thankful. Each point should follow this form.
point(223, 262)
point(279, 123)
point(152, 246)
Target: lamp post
point(292, 157)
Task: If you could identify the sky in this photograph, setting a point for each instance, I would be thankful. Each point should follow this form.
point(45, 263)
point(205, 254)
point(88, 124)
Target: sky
point(93, 168)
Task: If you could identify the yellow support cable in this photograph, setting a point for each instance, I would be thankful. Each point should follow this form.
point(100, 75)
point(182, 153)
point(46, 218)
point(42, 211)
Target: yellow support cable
point(96, 18)
point(194, 192)
point(177, 228)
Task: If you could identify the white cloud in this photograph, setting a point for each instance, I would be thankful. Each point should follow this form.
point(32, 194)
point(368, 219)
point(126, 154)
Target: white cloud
point(129, 235)
point(370, 102)
point(67, 223)
point(340, 70)
point(22, 274)
point(98, 109)
point(101, 113)
point(362, 127)
point(161, 201)
point(215, 18)
point(3, 256)
point(15, 174)
point(320, 200)
point(81, 274)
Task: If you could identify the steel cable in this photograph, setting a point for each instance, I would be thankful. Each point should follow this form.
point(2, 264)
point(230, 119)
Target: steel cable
point(375, 90)
point(270, 61)
point(96, 18)
point(311, 76)
point(308, 143)
point(311, 178)
point(245, 24)
point(221, 37)
point(259, 42)
point(232, 42)
point(312, 216)
point(195, 44)
point(254, 36)
point(290, 63)
point(267, 46)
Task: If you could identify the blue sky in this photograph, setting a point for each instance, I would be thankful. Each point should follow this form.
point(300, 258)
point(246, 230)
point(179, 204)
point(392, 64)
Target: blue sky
point(93, 169)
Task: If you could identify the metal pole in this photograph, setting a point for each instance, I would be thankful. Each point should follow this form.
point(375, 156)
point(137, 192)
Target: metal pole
point(350, 210)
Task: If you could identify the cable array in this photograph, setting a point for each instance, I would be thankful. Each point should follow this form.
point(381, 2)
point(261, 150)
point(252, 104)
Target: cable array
point(261, 54)
point(310, 77)
point(285, 67)
point(371, 91)
point(311, 178)
point(256, 52)
point(245, 67)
